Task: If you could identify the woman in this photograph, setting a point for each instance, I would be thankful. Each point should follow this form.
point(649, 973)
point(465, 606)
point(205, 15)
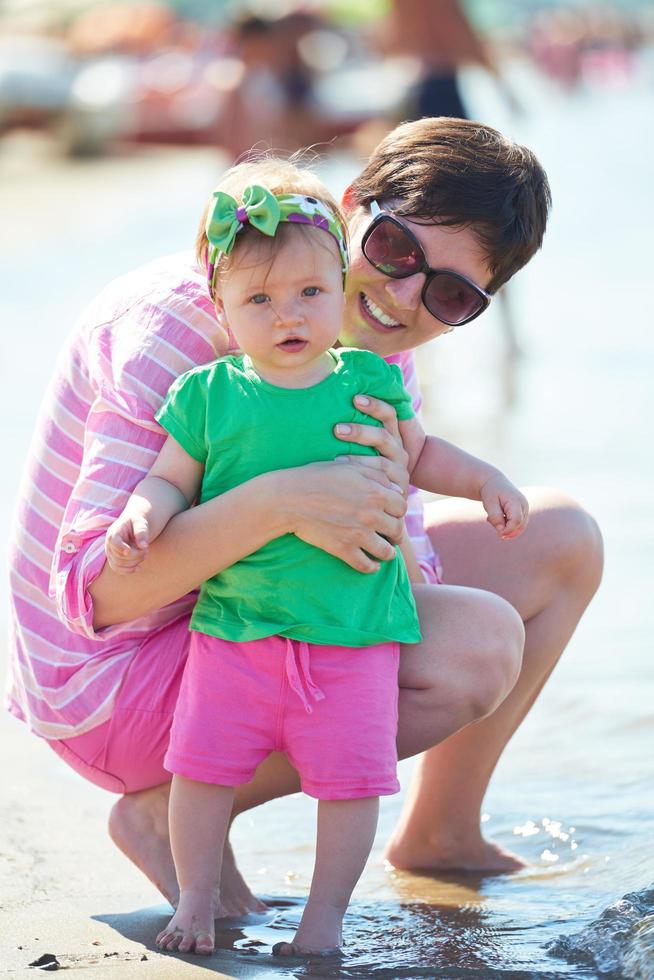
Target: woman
point(101, 687)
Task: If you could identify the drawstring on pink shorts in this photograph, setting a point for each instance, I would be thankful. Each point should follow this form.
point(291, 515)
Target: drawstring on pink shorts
point(297, 664)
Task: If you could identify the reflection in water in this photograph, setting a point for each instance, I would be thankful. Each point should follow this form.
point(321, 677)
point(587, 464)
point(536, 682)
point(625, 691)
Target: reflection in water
point(444, 891)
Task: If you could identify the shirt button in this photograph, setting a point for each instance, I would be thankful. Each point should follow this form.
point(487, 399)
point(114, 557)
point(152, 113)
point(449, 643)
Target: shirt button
point(70, 543)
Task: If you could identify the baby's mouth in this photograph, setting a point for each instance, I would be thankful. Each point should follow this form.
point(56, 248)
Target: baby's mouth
point(293, 344)
point(376, 316)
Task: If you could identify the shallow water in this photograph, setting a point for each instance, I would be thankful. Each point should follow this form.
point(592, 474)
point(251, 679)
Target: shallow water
point(574, 794)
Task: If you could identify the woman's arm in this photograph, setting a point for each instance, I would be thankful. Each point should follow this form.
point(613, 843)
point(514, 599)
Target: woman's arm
point(346, 509)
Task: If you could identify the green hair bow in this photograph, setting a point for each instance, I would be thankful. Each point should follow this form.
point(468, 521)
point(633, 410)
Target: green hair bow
point(260, 208)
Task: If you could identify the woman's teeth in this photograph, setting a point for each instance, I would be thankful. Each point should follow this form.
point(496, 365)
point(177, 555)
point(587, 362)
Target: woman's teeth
point(378, 313)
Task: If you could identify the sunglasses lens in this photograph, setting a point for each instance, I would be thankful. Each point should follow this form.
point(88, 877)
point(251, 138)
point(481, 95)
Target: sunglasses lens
point(392, 251)
point(451, 299)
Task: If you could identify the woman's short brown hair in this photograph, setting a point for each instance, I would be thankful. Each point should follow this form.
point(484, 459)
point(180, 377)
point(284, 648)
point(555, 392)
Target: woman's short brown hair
point(461, 173)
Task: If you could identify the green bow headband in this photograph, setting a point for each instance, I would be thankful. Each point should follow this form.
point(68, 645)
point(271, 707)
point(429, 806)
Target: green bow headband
point(264, 211)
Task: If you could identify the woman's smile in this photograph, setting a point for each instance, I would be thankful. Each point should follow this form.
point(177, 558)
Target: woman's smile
point(376, 316)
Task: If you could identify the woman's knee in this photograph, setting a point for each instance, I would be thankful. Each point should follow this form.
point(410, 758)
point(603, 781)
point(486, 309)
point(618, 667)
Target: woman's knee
point(574, 541)
point(471, 654)
point(496, 661)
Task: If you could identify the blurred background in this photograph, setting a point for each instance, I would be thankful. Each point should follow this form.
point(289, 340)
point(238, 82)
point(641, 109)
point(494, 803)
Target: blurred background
point(116, 119)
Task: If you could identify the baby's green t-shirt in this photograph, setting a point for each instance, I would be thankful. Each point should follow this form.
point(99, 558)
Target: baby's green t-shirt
point(239, 426)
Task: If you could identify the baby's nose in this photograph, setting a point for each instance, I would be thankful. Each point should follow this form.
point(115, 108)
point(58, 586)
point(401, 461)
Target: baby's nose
point(289, 314)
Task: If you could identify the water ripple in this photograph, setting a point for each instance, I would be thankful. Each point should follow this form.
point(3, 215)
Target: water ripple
point(620, 943)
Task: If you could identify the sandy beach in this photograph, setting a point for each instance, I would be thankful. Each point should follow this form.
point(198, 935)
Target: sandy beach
point(67, 891)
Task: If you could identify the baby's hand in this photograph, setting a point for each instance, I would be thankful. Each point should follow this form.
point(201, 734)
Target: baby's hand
point(126, 543)
point(506, 507)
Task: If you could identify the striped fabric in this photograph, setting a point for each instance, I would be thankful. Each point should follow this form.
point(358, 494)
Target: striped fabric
point(95, 439)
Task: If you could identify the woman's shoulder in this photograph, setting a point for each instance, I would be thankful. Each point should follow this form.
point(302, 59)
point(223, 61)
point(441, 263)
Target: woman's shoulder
point(173, 279)
point(166, 299)
point(150, 326)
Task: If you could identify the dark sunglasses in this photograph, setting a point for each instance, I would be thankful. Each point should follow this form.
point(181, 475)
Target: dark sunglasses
point(394, 250)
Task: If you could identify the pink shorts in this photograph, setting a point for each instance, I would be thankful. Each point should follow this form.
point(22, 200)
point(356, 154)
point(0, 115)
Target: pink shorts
point(331, 709)
point(125, 754)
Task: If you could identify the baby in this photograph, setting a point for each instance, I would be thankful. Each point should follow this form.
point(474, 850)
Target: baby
point(292, 649)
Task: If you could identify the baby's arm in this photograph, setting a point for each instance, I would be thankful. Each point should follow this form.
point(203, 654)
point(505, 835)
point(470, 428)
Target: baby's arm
point(170, 487)
point(439, 467)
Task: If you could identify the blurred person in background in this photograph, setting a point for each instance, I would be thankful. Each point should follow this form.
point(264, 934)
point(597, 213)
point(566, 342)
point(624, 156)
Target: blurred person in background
point(586, 45)
point(439, 37)
point(444, 213)
point(272, 105)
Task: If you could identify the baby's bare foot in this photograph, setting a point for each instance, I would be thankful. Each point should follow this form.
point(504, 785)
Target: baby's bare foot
point(191, 929)
point(319, 932)
point(293, 949)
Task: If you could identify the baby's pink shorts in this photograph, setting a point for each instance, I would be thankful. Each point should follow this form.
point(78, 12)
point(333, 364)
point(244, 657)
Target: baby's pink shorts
point(125, 754)
point(331, 709)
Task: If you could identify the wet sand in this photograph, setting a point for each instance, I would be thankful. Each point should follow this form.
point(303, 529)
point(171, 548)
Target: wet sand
point(67, 891)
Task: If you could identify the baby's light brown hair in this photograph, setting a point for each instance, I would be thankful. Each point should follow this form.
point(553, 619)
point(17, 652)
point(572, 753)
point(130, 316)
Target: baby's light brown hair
point(280, 176)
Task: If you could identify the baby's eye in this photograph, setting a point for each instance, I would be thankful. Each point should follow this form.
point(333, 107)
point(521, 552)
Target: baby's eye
point(311, 291)
point(259, 298)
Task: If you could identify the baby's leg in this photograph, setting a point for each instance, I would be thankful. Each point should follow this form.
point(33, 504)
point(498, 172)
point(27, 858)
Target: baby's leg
point(346, 830)
point(199, 817)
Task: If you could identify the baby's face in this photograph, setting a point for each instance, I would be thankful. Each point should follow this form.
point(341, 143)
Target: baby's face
point(287, 312)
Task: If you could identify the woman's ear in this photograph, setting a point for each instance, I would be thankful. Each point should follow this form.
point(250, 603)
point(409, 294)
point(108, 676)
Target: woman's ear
point(348, 200)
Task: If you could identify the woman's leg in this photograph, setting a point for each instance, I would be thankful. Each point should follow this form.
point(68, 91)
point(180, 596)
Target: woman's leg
point(138, 826)
point(346, 831)
point(467, 663)
point(549, 575)
point(199, 819)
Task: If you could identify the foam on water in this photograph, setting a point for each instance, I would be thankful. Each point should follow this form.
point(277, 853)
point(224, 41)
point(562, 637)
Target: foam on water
point(620, 942)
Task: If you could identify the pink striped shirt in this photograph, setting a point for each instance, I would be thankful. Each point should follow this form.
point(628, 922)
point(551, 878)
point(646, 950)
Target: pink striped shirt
point(95, 439)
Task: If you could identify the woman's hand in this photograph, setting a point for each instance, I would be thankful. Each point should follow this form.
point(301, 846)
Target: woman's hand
point(354, 507)
point(348, 509)
point(393, 459)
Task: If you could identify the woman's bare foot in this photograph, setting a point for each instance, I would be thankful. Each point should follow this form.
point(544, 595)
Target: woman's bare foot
point(191, 929)
point(319, 932)
point(457, 854)
point(236, 899)
point(138, 825)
